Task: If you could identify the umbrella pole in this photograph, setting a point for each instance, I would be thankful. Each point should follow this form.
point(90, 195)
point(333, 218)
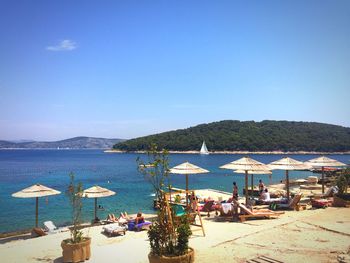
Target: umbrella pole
point(186, 190)
point(252, 179)
point(246, 187)
point(322, 179)
point(287, 184)
point(95, 209)
point(36, 211)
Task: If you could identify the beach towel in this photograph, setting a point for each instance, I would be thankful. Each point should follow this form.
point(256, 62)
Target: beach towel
point(226, 207)
point(320, 203)
point(144, 225)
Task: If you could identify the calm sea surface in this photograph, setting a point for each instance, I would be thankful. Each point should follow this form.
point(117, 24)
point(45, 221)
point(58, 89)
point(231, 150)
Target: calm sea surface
point(22, 168)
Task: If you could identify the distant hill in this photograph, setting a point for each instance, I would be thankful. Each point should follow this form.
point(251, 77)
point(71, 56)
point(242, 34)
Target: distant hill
point(249, 136)
point(72, 143)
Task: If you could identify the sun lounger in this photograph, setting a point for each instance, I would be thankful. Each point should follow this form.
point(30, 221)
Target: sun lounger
point(50, 227)
point(263, 259)
point(208, 207)
point(329, 193)
point(266, 213)
point(226, 209)
point(114, 229)
point(293, 203)
point(38, 232)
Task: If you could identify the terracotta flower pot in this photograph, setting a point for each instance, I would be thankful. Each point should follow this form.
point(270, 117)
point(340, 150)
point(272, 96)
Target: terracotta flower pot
point(187, 258)
point(76, 252)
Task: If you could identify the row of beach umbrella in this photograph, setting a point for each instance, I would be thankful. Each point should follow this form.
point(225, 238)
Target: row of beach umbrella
point(244, 165)
point(39, 190)
point(248, 165)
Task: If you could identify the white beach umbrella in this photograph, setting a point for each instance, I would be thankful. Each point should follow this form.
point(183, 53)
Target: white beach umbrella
point(252, 175)
point(324, 161)
point(97, 192)
point(187, 168)
point(248, 165)
point(36, 191)
point(288, 164)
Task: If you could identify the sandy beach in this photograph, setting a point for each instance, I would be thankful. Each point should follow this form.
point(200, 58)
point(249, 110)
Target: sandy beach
point(321, 235)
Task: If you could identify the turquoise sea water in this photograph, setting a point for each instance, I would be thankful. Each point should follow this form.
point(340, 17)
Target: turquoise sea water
point(22, 168)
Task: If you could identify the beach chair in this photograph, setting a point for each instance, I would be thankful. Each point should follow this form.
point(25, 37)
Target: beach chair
point(50, 227)
point(114, 229)
point(293, 203)
point(38, 232)
point(263, 213)
point(226, 210)
point(208, 207)
point(329, 193)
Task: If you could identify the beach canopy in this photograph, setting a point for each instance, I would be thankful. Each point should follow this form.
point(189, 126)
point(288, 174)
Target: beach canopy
point(322, 162)
point(97, 192)
point(36, 191)
point(248, 165)
point(288, 164)
point(187, 168)
point(245, 164)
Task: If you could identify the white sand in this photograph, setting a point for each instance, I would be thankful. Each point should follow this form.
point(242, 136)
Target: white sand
point(306, 236)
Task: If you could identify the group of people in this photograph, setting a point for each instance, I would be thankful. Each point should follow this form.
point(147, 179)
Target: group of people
point(124, 218)
point(263, 192)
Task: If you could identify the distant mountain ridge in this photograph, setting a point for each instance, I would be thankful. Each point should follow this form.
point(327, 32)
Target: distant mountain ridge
point(81, 142)
point(231, 135)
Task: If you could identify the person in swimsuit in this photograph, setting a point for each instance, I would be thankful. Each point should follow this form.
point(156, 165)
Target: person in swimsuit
point(235, 191)
point(261, 187)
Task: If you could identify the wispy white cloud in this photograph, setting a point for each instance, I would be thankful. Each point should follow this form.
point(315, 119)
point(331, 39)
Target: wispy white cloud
point(64, 45)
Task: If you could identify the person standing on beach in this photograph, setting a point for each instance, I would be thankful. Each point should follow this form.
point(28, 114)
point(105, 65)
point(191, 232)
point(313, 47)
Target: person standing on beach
point(235, 191)
point(261, 187)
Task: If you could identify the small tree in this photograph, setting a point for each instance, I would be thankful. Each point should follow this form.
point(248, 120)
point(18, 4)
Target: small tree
point(343, 181)
point(74, 193)
point(167, 236)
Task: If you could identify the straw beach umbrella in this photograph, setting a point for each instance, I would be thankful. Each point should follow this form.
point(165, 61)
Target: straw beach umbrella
point(252, 175)
point(247, 165)
point(288, 164)
point(97, 192)
point(36, 191)
point(187, 168)
point(322, 162)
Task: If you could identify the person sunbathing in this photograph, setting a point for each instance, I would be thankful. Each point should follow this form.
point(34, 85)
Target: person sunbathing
point(120, 220)
point(112, 218)
point(139, 218)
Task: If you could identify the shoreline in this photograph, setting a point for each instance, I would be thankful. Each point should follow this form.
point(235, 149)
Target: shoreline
point(296, 236)
point(238, 152)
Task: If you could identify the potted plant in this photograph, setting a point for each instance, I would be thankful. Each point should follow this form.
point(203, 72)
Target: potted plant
point(168, 235)
point(342, 198)
point(77, 247)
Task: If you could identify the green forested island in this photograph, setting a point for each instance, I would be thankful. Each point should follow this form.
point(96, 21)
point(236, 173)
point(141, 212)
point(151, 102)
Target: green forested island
point(232, 135)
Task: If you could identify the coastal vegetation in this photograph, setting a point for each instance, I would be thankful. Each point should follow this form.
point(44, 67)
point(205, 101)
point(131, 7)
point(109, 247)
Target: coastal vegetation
point(233, 135)
point(77, 247)
point(168, 237)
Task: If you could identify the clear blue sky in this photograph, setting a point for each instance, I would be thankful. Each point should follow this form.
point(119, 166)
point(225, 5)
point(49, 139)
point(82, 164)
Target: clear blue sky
point(130, 68)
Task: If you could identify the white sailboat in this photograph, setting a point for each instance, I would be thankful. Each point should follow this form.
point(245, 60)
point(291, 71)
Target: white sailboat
point(204, 149)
